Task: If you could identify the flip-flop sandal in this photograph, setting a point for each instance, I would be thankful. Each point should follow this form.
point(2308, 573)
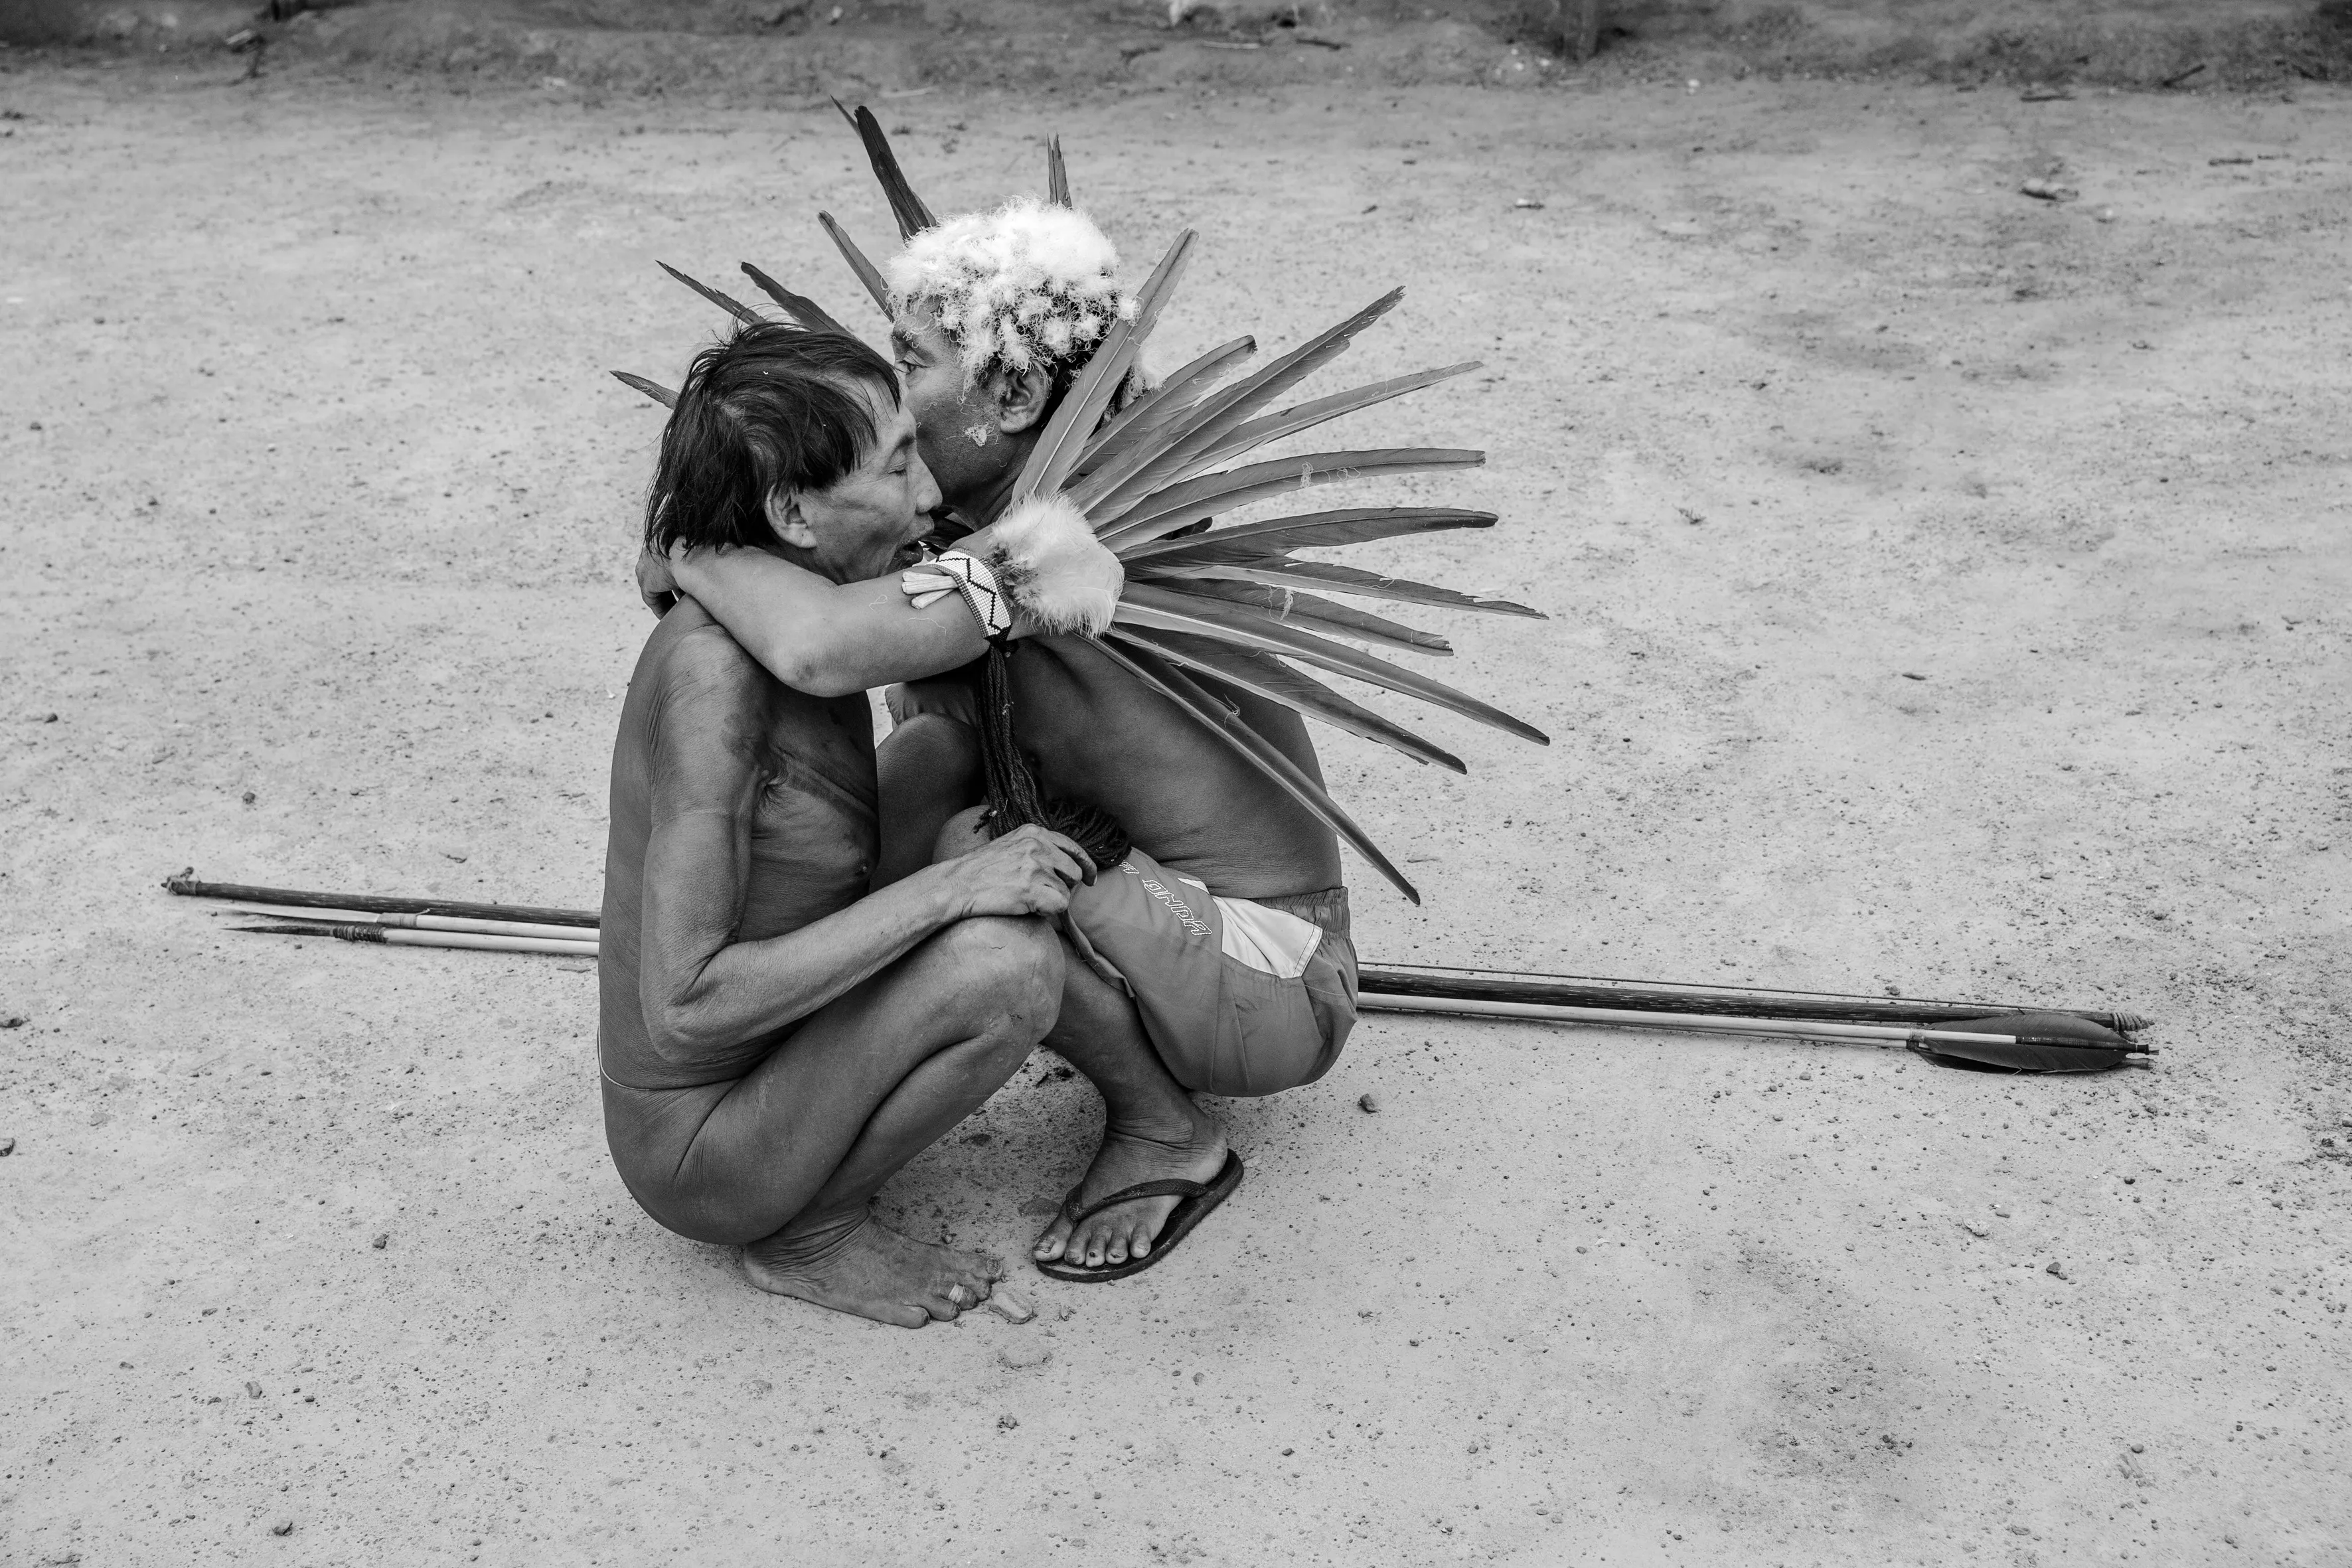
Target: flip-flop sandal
point(1199, 1200)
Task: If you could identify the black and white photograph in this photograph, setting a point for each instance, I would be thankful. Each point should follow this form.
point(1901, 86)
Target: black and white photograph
point(1176, 782)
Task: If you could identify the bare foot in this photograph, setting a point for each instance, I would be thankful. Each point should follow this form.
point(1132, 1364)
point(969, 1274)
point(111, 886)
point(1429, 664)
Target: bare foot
point(857, 1264)
point(1126, 1157)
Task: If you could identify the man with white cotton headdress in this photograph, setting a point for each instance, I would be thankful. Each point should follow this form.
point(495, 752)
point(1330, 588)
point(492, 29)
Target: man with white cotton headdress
point(1212, 955)
point(993, 315)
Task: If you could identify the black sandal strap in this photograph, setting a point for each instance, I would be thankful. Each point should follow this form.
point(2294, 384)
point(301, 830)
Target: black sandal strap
point(1169, 1187)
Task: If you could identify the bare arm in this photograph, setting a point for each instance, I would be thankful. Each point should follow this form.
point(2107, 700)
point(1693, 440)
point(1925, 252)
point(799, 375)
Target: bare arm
point(825, 639)
point(708, 999)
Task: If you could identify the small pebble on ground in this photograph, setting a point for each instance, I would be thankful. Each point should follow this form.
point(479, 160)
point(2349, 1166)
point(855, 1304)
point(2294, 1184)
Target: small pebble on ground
point(1009, 1307)
point(1367, 1103)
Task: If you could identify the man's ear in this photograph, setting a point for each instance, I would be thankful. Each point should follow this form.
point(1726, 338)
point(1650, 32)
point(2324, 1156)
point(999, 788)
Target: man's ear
point(791, 524)
point(1021, 396)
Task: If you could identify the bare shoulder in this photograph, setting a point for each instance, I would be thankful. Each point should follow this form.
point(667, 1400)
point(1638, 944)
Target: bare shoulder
point(692, 661)
point(703, 689)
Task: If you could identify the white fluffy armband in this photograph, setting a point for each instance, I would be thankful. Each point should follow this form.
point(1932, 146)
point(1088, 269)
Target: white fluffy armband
point(1040, 559)
point(1051, 567)
point(961, 572)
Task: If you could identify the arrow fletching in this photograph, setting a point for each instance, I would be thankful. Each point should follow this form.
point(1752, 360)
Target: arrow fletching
point(2040, 1042)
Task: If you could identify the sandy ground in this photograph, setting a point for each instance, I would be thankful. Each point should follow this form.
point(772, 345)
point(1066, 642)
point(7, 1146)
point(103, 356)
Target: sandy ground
point(1949, 594)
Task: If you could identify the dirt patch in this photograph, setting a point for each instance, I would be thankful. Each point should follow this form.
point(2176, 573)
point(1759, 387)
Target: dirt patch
point(1949, 593)
point(748, 51)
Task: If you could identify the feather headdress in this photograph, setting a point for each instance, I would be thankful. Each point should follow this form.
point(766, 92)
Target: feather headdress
point(1232, 607)
point(1027, 285)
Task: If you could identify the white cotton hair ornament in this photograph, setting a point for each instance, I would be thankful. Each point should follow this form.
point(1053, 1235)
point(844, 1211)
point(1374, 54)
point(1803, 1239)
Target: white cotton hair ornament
point(1030, 284)
point(1048, 561)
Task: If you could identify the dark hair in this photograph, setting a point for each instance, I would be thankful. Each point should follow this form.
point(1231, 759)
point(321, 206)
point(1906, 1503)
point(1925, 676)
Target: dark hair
point(771, 407)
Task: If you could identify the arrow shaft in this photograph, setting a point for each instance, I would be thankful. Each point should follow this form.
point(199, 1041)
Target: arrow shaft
point(1697, 1023)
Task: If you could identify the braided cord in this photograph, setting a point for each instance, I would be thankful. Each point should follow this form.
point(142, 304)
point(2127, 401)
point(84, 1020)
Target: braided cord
point(1013, 798)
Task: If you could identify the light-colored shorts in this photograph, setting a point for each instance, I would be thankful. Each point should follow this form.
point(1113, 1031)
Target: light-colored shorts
point(1239, 996)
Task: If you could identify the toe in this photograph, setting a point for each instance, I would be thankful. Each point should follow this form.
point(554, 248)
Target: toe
point(905, 1316)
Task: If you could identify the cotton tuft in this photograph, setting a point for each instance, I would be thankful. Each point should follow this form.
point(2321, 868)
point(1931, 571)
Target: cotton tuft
point(1029, 285)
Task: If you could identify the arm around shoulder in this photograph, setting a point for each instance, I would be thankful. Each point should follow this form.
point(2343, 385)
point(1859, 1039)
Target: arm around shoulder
point(827, 638)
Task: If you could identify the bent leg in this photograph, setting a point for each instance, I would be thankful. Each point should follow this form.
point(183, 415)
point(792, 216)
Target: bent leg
point(926, 769)
point(787, 1162)
point(1151, 1129)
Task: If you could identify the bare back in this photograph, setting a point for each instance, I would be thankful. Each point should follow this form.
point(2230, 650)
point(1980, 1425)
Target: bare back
point(1100, 738)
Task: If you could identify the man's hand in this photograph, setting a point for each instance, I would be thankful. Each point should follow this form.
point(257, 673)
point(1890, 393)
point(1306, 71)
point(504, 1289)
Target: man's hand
point(1029, 871)
point(656, 586)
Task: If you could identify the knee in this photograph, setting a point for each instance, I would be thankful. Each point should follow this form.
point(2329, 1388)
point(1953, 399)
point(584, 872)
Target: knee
point(939, 748)
point(1008, 971)
point(963, 833)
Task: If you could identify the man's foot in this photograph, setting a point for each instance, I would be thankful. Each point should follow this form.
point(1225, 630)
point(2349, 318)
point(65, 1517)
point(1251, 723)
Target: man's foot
point(859, 1264)
point(1126, 1158)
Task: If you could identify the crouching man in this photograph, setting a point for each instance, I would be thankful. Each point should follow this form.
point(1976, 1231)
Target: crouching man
point(775, 1041)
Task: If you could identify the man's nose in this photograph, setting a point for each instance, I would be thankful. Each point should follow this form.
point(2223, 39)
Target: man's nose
point(926, 488)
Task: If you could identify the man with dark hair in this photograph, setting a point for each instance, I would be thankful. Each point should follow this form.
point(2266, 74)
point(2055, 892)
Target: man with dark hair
point(775, 1039)
point(1216, 958)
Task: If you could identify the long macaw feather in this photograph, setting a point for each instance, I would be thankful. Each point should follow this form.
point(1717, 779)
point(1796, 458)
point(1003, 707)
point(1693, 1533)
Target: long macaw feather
point(1057, 449)
point(653, 389)
point(1162, 403)
point(1154, 608)
point(1119, 482)
point(1057, 174)
point(905, 204)
point(1164, 511)
point(799, 307)
point(1352, 580)
point(1251, 747)
point(868, 273)
point(735, 308)
point(1306, 416)
point(1310, 611)
point(1269, 677)
point(1276, 538)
